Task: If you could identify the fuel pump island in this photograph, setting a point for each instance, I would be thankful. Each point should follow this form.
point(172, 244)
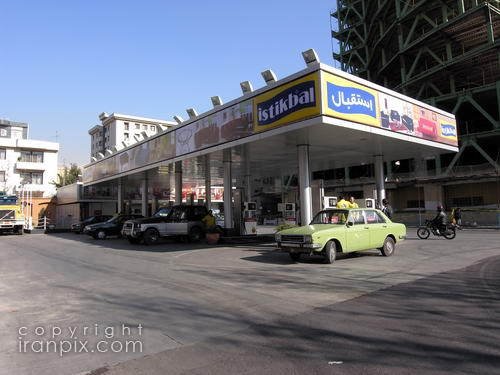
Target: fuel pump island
point(255, 156)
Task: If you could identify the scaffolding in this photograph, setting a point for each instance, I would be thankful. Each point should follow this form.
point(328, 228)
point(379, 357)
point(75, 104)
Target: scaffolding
point(444, 52)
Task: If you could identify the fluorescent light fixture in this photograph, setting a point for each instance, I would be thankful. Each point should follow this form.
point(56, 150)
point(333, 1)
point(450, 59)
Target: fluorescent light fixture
point(178, 119)
point(92, 159)
point(216, 101)
point(268, 76)
point(108, 152)
point(246, 87)
point(310, 57)
point(191, 112)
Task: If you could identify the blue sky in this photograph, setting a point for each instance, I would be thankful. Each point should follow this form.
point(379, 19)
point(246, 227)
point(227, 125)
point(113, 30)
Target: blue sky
point(64, 62)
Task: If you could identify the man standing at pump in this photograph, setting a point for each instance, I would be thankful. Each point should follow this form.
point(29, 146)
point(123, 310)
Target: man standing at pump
point(343, 203)
point(352, 203)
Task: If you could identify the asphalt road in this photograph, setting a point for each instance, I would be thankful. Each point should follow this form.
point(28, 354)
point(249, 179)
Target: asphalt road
point(431, 308)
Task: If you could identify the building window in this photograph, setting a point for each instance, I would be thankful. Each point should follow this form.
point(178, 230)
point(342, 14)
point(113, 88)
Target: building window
point(153, 128)
point(2, 153)
point(125, 136)
point(32, 178)
point(125, 124)
point(144, 127)
point(2, 176)
point(137, 126)
point(32, 156)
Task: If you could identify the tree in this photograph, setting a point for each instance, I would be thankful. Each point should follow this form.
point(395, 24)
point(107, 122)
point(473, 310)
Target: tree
point(68, 176)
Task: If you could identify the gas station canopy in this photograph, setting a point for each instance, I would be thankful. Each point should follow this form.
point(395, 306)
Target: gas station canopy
point(343, 119)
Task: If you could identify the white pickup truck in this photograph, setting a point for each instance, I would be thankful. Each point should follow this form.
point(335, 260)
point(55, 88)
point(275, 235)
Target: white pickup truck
point(181, 221)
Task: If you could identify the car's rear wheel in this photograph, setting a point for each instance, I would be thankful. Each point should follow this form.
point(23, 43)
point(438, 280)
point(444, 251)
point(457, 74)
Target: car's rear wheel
point(151, 236)
point(389, 247)
point(101, 235)
point(295, 256)
point(330, 252)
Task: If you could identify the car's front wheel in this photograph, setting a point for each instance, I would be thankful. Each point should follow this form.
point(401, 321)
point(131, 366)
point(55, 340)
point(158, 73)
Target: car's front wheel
point(295, 256)
point(151, 236)
point(330, 252)
point(389, 246)
point(101, 235)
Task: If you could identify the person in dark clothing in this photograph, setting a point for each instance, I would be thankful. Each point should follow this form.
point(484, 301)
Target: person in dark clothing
point(386, 208)
point(457, 217)
point(439, 222)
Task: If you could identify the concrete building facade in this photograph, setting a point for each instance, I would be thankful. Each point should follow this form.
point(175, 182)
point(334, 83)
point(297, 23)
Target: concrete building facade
point(117, 131)
point(26, 164)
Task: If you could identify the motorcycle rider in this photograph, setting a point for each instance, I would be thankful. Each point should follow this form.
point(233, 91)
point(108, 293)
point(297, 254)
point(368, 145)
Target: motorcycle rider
point(439, 222)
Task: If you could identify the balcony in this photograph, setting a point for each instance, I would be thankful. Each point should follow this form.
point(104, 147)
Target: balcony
point(30, 166)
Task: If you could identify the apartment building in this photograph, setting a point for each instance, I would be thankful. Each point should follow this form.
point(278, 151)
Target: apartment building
point(26, 164)
point(117, 131)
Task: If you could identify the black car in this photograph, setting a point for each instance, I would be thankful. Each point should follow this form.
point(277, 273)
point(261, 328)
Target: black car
point(112, 227)
point(78, 227)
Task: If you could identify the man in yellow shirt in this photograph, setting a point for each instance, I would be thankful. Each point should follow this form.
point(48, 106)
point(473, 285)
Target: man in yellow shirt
point(352, 203)
point(209, 220)
point(342, 203)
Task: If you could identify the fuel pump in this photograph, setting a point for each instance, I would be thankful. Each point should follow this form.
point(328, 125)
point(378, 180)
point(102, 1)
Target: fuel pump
point(289, 214)
point(329, 202)
point(250, 217)
point(370, 203)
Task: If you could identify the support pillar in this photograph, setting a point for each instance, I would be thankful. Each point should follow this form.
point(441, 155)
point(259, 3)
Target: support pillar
point(228, 182)
point(144, 196)
point(379, 177)
point(178, 182)
point(208, 183)
point(120, 196)
point(247, 177)
point(347, 178)
point(304, 184)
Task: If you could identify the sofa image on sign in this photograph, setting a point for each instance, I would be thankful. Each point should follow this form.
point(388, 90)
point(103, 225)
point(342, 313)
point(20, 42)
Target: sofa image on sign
point(208, 135)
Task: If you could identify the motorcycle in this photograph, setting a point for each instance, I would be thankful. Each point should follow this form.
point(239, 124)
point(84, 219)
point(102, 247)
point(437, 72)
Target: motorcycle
point(425, 231)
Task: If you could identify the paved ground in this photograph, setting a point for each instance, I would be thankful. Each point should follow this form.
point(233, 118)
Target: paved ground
point(431, 308)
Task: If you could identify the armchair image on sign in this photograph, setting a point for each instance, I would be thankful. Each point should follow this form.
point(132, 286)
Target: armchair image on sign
point(292, 102)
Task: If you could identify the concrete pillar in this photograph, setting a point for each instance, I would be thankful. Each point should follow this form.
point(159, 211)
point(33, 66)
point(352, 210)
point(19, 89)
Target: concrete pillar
point(347, 179)
point(154, 205)
point(144, 196)
point(379, 177)
point(120, 195)
point(304, 184)
point(208, 183)
point(247, 177)
point(178, 182)
point(228, 182)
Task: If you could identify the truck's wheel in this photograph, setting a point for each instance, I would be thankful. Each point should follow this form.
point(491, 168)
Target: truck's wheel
point(330, 252)
point(295, 256)
point(194, 234)
point(101, 235)
point(151, 236)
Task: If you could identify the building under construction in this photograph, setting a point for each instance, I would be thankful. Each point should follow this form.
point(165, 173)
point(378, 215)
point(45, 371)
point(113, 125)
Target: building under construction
point(446, 53)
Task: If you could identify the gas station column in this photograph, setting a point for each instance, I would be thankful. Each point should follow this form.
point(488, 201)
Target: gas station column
point(247, 177)
point(228, 182)
point(178, 182)
point(208, 183)
point(144, 196)
point(379, 177)
point(304, 185)
point(119, 198)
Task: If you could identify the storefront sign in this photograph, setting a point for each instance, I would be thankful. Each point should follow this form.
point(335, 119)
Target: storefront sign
point(291, 102)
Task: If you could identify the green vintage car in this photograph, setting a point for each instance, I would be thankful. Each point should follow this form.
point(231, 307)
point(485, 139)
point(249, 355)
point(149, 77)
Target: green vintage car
point(335, 231)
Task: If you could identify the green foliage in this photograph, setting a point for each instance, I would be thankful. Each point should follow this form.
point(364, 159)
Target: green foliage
point(68, 176)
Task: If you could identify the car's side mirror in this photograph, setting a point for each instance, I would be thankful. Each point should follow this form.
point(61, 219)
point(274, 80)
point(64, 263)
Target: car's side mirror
point(350, 224)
